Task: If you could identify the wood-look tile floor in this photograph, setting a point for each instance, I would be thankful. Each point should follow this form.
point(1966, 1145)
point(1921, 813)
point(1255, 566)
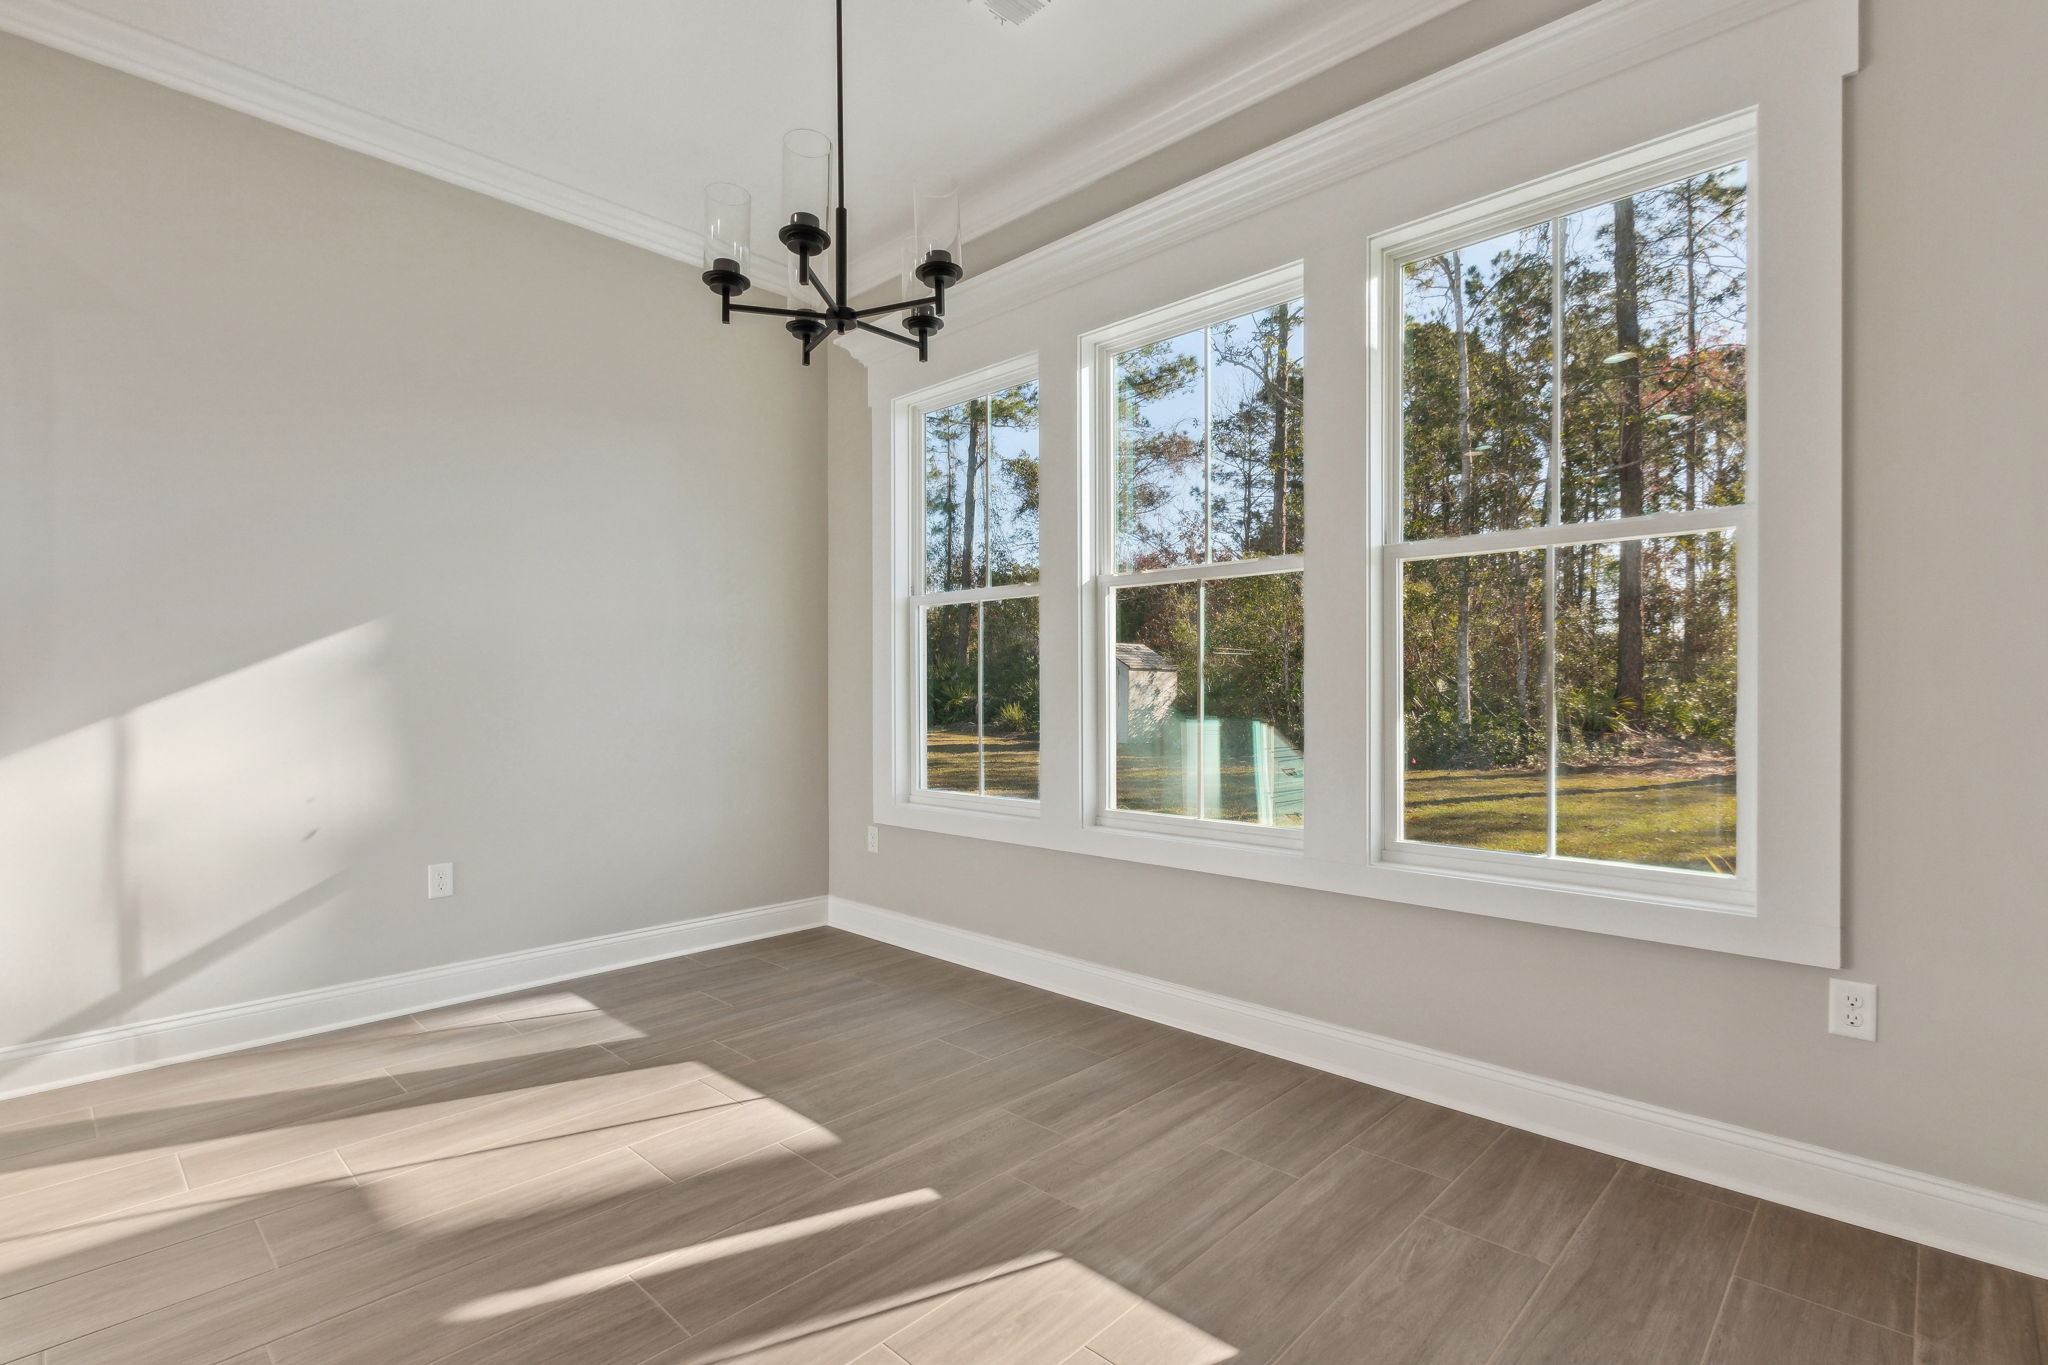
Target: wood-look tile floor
point(820, 1149)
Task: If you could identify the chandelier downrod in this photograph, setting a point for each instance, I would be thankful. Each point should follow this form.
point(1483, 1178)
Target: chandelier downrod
point(728, 210)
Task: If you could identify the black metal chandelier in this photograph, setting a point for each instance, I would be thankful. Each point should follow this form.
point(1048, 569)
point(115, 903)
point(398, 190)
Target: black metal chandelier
point(932, 258)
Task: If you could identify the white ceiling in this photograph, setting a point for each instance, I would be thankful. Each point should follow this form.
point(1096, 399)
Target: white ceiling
point(614, 113)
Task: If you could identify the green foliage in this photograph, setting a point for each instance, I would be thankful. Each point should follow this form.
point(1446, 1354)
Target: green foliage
point(1437, 739)
point(1013, 717)
point(981, 491)
point(1209, 469)
point(1254, 666)
point(1649, 396)
point(950, 690)
point(1195, 483)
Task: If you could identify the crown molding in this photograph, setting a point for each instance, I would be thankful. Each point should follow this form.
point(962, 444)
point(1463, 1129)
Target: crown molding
point(68, 28)
point(1597, 41)
point(1310, 50)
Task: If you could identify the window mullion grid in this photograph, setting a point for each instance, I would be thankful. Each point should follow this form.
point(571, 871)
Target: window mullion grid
point(1554, 497)
point(1554, 475)
point(1189, 573)
point(988, 525)
point(1208, 558)
point(981, 698)
point(1201, 699)
point(978, 414)
point(1002, 592)
point(1731, 518)
point(1208, 448)
point(1550, 698)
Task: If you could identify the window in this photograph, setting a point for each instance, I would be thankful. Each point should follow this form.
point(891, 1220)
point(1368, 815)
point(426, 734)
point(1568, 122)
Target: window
point(1573, 513)
point(977, 608)
point(1203, 523)
point(1575, 497)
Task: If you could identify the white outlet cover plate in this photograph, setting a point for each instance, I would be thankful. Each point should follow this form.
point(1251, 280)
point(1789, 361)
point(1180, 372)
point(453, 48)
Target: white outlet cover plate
point(440, 880)
point(1852, 1009)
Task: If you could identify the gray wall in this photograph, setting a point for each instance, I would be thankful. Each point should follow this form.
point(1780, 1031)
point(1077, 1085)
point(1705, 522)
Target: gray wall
point(1946, 741)
point(350, 521)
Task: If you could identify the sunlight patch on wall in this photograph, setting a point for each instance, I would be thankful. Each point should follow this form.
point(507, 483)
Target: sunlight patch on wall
point(249, 789)
point(139, 850)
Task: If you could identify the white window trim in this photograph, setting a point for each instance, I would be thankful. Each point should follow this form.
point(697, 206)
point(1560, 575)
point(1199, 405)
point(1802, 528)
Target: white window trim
point(1690, 152)
point(910, 599)
point(1098, 475)
point(1575, 93)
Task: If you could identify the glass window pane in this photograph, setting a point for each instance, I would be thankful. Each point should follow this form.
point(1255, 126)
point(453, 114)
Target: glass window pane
point(1156, 696)
point(1656, 333)
point(952, 477)
point(1010, 698)
point(1011, 497)
point(952, 681)
point(1159, 454)
point(1252, 763)
point(1476, 387)
point(1646, 701)
point(1475, 727)
point(1255, 458)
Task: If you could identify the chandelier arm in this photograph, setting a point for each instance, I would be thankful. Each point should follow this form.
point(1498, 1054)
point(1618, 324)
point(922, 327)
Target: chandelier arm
point(882, 308)
point(911, 342)
point(831, 304)
point(778, 312)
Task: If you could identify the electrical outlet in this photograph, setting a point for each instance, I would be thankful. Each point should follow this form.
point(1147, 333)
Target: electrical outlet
point(874, 839)
point(1852, 1009)
point(440, 880)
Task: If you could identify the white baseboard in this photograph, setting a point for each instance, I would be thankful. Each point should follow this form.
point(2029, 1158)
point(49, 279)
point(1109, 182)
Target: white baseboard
point(52, 1062)
point(1923, 1208)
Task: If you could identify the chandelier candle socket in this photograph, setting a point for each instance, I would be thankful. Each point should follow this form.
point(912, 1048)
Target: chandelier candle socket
point(807, 200)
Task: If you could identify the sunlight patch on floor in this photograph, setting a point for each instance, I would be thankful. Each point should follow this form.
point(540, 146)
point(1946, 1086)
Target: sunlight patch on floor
point(590, 1281)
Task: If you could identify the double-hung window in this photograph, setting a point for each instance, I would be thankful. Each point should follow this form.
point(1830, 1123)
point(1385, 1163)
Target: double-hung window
point(1200, 518)
point(976, 611)
point(1571, 649)
point(1568, 528)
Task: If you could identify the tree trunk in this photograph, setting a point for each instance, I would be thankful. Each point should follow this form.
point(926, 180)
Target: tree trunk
point(952, 514)
point(1522, 667)
point(1283, 534)
point(977, 434)
point(1628, 331)
point(1690, 641)
point(1468, 495)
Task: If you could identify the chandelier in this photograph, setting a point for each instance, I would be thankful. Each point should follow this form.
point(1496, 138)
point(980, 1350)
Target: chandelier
point(931, 259)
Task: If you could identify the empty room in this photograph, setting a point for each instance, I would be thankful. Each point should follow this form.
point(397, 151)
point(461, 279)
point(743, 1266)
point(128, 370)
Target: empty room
point(1022, 682)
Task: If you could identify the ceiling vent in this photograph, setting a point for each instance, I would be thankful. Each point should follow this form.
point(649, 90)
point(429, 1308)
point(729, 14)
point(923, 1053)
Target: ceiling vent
point(1015, 11)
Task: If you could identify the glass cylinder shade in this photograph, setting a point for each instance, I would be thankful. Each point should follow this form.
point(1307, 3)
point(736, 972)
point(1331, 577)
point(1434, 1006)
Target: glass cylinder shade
point(807, 176)
point(935, 218)
point(912, 286)
point(728, 225)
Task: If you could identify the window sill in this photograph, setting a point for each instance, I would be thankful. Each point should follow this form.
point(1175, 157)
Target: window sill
point(1002, 807)
point(1675, 887)
point(1189, 829)
point(1780, 930)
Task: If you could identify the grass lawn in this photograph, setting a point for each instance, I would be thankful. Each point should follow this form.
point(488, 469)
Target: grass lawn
point(1664, 815)
point(952, 764)
point(1676, 814)
point(1147, 782)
